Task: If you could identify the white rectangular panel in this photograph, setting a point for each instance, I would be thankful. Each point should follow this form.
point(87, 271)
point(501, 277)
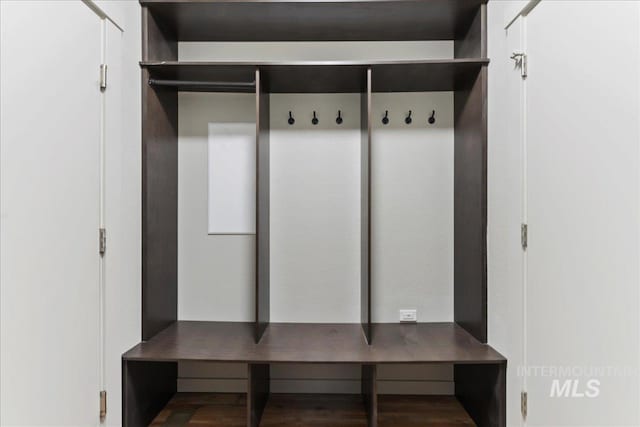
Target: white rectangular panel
point(232, 178)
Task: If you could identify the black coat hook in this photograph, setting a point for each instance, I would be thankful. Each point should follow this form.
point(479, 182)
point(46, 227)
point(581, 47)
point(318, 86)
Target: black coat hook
point(407, 119)
point(339, 118)
point(432, 119)
point(315, 119)
point(291, 119)
point(385, 119)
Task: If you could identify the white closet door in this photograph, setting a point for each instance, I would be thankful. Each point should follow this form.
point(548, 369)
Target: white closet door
point(122, 207)
point(583, 160)
point(506, 213)
point(50, 133)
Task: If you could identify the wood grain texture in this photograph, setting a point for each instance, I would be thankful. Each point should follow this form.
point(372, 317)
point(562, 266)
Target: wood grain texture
point(328, 76)
point(470, 206)
point(259, 380)
point(365, 207)
point(146, 389)
point(421, 411)
point(315, 343)
point(157, 43)
point(314, 410)
point(262, 207)
point(203, 409)
point(159, 208)
point(369, 387)
point(482, 391)
point(472, 42)
point(314, 20)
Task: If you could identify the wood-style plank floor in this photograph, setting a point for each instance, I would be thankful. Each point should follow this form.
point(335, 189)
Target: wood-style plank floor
point(422, 411)
point(312, 410)
point(204, 409)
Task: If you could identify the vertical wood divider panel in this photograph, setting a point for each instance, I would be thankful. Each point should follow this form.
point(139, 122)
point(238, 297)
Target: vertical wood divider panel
point(369, 388)
point(158, 44)
point(470, 206)
point(146, 389)
point(159, 208)
point(473, 42)
point(482, 389)
point(259, 379)
point(365, 208)
point(262, 206)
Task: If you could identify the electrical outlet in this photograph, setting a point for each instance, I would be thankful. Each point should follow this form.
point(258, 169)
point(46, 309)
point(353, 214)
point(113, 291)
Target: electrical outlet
point(408, 315)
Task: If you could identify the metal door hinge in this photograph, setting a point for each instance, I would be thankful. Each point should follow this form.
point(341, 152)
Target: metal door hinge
point(523, 404)
point(103, 77)
point(103, 241)
point(103, 405)
point(524, 235)
point(521, 62)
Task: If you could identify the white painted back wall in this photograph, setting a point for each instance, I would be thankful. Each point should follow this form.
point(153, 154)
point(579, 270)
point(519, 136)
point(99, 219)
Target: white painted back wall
point(315, 209)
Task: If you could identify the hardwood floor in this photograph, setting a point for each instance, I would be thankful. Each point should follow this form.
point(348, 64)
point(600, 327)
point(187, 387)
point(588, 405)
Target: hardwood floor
point(312, 410)
point(421, 411)
point(204, 409)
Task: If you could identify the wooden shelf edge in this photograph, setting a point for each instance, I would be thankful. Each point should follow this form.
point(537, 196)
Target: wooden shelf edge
point(336, 63)
point(393, 343)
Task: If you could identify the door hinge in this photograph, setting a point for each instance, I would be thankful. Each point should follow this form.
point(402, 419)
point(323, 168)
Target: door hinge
point(103, 405)
point(103, 77)
point(103, 241)
point(521, 61)
point(524, 235)
point(523, 404)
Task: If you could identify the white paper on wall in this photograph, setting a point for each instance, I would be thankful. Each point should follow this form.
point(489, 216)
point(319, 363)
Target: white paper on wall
point(232, 178)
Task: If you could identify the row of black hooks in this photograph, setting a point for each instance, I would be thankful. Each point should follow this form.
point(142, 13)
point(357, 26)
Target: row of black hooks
point(385, 120)
point(408, 120)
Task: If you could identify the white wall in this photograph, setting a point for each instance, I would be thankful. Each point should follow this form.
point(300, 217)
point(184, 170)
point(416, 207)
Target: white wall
point(315, 205)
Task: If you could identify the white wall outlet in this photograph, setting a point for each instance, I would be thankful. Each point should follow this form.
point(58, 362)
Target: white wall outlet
point(408, 315)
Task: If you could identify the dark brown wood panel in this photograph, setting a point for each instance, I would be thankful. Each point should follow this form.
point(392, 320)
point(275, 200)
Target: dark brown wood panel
point(327, 76)
point(482, 391)
point(365, 208)
point(369, 391)
point(204, 409)
point(157, 43)
point(422, 411)
point(159, 208)
point(261, 20)
point(258, 392)
point(315, 343)
point(146, 389)
point(470, 207)
point(262, 205)
point(472, 43)
point(314, 410)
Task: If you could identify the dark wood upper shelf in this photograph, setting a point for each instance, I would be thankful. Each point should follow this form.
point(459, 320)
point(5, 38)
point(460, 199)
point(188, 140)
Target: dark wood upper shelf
point(320, 20)
point(315, 343)
point(328, 76)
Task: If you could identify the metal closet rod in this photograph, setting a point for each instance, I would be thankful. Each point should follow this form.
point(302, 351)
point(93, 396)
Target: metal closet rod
point(203, 84)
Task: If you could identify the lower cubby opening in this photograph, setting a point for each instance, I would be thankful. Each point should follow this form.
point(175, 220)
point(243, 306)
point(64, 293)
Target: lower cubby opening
point(312, 410)
point(421, 411)
point(204, 409)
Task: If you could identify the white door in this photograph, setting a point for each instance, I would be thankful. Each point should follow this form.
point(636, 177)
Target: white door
point(582, 288)
point(121, 209)
point(50, 134)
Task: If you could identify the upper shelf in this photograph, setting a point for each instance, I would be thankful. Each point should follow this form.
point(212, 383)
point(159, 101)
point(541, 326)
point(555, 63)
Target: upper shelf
point(326, 76)
point(320, 20)
point(315, 343)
